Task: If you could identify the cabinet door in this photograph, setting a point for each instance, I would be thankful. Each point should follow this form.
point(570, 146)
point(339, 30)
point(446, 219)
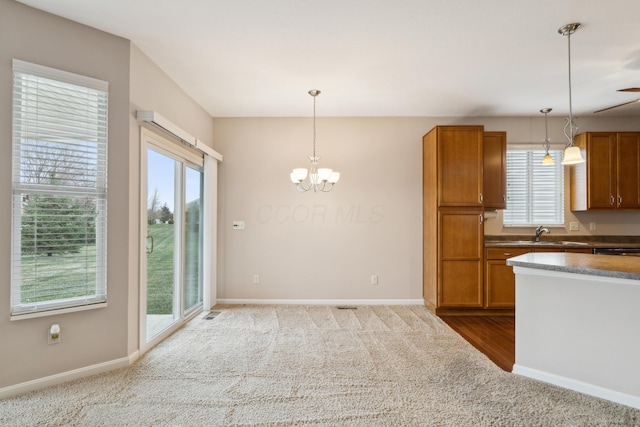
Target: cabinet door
point(494, 186)
point(601, 170)
point(628, 172)
point(461, 243)
point(460, 165)
point(501, 285)
point(500, 282)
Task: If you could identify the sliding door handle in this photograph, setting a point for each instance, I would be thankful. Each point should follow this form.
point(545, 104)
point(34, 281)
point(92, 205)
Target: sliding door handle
point(149, 248)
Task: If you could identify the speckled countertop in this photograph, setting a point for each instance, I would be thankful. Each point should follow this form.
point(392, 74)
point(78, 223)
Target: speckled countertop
point(562, 241)
point(621, 267)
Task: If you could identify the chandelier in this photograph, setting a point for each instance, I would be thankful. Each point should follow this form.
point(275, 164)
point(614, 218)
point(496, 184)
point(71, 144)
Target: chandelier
point(572, 152)
point(317, 179)
point(547, 159)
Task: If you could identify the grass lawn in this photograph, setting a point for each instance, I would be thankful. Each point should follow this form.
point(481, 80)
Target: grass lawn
point(160, 270)
point(69, 275)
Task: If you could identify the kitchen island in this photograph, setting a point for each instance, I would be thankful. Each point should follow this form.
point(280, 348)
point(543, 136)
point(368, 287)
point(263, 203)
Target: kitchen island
point(578, 322)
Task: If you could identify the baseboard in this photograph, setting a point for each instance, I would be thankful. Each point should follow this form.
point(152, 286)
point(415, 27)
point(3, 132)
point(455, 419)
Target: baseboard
point(64, 377)
point(241, 301)
point(579, 386)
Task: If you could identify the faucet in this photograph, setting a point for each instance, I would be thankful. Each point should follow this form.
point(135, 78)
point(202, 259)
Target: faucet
point(541, 230)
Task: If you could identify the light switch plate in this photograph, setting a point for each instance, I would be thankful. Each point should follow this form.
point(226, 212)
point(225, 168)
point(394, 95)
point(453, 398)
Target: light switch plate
point(238, 225)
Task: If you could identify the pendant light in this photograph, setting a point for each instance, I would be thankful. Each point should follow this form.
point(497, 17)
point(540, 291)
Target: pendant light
point(319, 179)
point(547, 160)
point(572, 153)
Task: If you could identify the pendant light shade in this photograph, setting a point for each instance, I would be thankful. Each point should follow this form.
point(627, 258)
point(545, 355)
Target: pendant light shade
point(572, 155)
point(547, 160)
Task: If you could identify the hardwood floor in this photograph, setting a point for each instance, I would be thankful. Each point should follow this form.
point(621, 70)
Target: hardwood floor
point(492, 335)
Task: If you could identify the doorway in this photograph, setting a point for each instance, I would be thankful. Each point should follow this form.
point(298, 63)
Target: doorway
point(172, 229)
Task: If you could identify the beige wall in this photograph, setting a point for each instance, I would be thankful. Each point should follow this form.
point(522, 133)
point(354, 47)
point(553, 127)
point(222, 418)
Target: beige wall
point(327, 246)
point(88, 337)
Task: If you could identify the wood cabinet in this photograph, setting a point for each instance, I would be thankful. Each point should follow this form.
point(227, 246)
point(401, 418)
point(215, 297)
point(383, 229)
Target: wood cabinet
point(610, 177)
point(461, 241)
point(494, 150)
point(453, 212)
point(500, 282)
point(459, 154)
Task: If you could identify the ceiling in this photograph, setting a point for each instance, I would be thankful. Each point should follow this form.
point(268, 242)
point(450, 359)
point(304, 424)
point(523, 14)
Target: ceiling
point(257, 58)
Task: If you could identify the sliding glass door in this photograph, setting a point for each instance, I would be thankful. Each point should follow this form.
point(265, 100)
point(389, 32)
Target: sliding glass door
point(173, 255)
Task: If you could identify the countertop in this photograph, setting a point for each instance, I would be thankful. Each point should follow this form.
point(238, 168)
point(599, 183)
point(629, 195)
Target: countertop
point(621, 267)
point(562, 241)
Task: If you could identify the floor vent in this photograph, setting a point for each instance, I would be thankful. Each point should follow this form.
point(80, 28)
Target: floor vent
point(212, 315)
point(347, 307)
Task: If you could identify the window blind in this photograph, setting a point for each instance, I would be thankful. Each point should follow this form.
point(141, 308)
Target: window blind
point(535, 193)
point(59, 183)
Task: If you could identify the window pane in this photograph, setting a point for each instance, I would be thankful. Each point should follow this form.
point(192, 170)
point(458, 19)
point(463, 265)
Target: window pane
point(535, 193)
point(193, 238)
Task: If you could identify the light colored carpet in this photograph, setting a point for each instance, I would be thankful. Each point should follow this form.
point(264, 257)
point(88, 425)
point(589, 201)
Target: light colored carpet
point(312, 366)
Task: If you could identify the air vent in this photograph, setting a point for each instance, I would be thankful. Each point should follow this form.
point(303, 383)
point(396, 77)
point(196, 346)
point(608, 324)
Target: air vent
point(212, 315)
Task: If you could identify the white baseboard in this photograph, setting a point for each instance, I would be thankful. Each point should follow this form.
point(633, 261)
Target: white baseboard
point(575, 385)
point(64, 377)
point(349, 302)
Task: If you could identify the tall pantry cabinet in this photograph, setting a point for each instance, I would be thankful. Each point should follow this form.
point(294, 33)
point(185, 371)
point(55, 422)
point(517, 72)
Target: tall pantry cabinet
point(453, 217)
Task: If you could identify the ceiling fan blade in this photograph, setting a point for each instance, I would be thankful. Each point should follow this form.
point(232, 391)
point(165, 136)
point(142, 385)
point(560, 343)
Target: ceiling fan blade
point(616, 106)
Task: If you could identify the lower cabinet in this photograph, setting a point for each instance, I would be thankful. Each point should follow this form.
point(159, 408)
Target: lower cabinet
point(499, 280)
point(461, 258)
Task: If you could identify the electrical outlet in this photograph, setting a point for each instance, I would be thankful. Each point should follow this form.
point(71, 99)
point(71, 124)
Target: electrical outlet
point(374, 279)
point(54, 334)
point(592, 226)
point(256, 279)
point(574, 226)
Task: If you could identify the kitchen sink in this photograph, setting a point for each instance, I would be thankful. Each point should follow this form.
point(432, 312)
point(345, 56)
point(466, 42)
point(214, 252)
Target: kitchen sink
point(573, 243)
point(544, 243)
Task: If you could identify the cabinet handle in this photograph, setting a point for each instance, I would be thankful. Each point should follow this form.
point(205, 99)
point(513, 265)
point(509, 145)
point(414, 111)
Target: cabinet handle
point(613, 200)
point(481, 218)
point(504, 197)
point(481, 198)
point(619, 200)
point(507, 254)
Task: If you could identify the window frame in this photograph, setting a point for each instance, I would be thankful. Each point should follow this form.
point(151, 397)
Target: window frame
point(533, 163)
point(33, 85)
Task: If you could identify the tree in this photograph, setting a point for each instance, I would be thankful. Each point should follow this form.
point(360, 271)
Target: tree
point(153, 207)
point(56, 225)
point(166, 216)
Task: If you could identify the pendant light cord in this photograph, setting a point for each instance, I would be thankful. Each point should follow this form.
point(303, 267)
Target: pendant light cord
point(314, 125)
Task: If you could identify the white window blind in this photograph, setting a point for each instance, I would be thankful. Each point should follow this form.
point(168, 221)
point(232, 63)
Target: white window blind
point(59, 190)
point(535, 193)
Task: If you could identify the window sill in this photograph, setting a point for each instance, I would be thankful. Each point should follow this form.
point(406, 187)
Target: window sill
point(56, 312)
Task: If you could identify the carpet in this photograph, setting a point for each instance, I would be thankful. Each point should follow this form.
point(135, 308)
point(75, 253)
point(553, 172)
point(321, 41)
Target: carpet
point(312, 366)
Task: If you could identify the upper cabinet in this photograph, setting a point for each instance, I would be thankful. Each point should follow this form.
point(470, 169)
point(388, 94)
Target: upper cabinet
point(610, 177)
point(459, 151)
point(495, 170)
